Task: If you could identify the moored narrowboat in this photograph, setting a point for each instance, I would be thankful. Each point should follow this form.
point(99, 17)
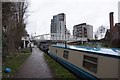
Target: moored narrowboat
point(86, 62)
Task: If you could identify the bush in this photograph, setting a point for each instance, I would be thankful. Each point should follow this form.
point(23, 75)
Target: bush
point(26, 50)
point(13, 61)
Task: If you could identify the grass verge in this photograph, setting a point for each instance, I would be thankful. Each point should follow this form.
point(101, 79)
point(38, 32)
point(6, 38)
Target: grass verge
point(58, 70)
point(14, 61)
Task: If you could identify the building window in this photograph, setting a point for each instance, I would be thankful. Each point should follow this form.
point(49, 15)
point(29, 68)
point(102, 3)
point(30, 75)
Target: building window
point(90, 63)
point(65, 54)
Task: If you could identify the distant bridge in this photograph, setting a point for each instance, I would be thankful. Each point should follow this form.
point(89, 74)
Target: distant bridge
point(43, 41)
point(57, 37)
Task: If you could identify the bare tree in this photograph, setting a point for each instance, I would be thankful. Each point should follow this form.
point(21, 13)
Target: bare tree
point(13, 25)
point(100, 32)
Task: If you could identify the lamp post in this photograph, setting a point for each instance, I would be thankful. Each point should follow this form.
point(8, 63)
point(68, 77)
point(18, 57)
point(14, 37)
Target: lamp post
point(65, 38)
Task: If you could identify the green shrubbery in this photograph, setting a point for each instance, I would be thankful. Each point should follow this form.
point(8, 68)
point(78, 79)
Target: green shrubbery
point(26, 50)
point(14, 61)
point(58, 70)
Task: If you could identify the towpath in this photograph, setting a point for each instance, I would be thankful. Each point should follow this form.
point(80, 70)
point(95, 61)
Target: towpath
point(34, 67)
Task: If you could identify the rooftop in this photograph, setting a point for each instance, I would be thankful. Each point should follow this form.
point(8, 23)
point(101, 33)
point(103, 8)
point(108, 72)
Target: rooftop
point(110, 52)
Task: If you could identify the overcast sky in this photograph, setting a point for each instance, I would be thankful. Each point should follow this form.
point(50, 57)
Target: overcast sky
point(92, 12)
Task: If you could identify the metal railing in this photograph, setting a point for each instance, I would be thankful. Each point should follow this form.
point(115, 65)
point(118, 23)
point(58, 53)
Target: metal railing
point(58, 36)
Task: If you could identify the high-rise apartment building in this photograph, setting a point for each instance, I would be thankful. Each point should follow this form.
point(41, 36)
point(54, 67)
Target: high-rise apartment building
point(83, 31)
point(58, 26)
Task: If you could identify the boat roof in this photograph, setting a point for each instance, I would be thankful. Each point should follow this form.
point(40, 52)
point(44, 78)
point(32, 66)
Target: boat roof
point(110, 52)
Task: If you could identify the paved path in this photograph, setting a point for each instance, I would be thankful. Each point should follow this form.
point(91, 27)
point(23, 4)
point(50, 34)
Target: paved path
point(34, 67)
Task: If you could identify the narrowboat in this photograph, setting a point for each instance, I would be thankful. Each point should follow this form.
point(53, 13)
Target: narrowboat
point(88, 63)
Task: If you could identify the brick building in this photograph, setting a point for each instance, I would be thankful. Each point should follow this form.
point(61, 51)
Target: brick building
point(113, 34)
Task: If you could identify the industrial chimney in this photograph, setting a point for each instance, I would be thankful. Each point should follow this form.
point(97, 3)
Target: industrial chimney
point(111, 21)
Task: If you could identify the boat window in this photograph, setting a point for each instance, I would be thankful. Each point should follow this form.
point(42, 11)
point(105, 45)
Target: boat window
point(90, 63)
point(65, 54)
point(90, 58)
